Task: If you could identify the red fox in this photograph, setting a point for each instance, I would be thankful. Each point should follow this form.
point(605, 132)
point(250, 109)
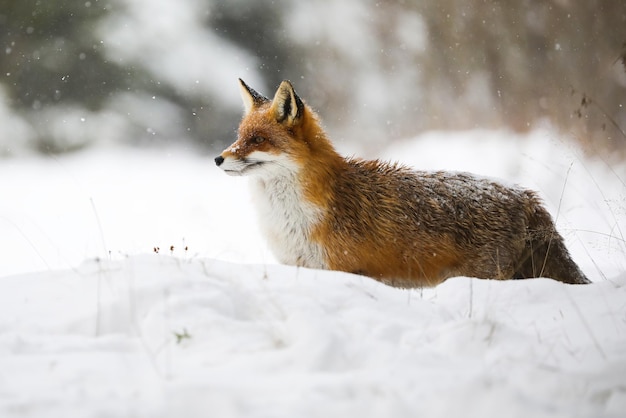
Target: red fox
point(405, 228)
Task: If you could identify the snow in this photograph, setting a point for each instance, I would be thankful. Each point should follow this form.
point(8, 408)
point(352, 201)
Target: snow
point(94, 322)
point(266, 340)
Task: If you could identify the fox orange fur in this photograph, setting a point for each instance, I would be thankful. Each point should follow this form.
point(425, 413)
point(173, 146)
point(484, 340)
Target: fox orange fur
point(406, 228)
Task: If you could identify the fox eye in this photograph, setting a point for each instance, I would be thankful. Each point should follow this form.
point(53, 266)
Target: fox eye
point(258, 139)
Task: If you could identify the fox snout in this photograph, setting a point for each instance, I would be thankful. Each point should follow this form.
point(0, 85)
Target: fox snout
point(219, 160)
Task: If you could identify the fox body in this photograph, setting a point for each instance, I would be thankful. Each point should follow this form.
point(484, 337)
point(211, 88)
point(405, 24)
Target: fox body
point(404, 227)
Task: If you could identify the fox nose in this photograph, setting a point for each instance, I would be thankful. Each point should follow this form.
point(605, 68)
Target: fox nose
point(219, 160)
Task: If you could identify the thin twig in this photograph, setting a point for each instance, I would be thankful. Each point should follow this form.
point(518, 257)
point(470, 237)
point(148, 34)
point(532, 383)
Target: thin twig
point(95, 212)
point(556, 218)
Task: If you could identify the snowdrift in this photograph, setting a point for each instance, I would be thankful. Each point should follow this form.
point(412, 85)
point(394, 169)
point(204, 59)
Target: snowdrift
point(162, 336)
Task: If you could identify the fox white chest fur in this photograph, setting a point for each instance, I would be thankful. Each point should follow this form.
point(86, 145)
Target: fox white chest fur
point(286, 220)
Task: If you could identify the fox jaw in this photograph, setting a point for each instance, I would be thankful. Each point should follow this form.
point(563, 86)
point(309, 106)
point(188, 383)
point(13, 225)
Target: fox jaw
point(260, 148)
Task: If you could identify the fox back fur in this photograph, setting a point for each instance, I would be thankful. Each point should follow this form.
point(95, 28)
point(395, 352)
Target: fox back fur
point(404, 227)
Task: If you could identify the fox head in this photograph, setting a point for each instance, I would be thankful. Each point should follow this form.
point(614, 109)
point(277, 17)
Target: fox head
point(274, 136)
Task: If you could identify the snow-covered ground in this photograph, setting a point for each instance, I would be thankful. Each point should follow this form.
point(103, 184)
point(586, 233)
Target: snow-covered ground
point(94, 323)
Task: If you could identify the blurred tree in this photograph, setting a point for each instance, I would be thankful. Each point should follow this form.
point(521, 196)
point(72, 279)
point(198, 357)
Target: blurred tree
point(540, 59)
point(258, 27)
point(52, 58)
point(51, 55)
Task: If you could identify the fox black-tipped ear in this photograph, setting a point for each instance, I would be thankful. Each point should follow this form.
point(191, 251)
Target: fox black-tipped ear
point(251, 98)
point(287, 106)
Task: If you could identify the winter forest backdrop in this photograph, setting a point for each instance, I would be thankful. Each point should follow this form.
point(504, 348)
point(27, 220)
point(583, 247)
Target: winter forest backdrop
point(78, 72)
point(134, 281)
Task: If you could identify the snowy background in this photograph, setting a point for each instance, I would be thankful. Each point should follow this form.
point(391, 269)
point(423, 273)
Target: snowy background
point(134, 280)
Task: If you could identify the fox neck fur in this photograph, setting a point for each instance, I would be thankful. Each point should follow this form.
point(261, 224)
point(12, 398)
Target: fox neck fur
point(287, 219)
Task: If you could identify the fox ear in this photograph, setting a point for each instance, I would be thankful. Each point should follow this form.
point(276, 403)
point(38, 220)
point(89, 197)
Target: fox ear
point(287, 106)
point(251, 98)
